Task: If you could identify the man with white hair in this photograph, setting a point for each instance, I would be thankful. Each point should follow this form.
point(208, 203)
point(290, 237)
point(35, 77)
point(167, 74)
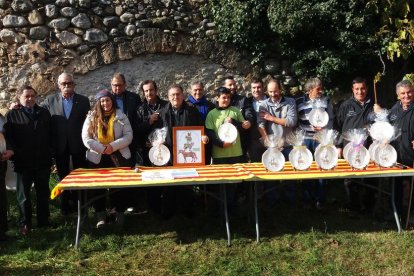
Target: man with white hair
point(68, 110)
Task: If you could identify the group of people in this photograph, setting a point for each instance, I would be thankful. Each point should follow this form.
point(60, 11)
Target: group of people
point(115, 133)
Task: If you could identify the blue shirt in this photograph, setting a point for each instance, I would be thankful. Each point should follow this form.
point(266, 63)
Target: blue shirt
point(120, 103)
point(67, 106)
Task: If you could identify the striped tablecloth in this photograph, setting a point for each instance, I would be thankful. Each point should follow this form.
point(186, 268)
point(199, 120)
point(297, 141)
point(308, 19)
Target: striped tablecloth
point(213, 174)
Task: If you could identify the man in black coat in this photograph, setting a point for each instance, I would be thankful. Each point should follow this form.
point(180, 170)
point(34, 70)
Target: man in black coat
point(129, 103)
point(68, 110)
point(28, 137)
point(177, 113)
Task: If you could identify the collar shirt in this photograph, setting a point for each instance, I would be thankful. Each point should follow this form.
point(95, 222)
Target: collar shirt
point(67, 105)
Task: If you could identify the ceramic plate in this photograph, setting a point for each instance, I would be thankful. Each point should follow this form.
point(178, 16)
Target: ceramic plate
point(318, 117)
point(227, 132)
point(358, 158)
point(301, 158)
point(386, 156)
point(326, 157)
point(159, 155)
point(273, 160)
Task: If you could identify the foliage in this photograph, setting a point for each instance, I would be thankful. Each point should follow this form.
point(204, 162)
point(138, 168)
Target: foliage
point(324, 38)
point(242, 23)
point(397, 27)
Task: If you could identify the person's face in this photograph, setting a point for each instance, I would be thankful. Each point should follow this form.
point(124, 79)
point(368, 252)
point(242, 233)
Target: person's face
point(274, 91)
point(316, 92)
point(360, 91)
point(231, 85)
point(405, 95)
point(197, 91)
point(176, 97)
point(118, 86)
point(150, 93)
point(28, 98)
point(224, 100)
point(257, 90)
point(106, 103)
point(66, 85)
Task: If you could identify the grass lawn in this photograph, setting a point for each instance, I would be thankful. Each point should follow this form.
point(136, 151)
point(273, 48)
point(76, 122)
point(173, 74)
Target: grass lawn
point(295, 241)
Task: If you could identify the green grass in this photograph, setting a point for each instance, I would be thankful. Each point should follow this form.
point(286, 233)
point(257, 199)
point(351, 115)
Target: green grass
point(295, 241)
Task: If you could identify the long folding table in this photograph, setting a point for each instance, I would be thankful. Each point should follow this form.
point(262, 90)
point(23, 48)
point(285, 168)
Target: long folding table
point(85, 179)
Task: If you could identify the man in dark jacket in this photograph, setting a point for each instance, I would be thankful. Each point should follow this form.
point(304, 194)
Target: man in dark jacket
point(177, 113)
point(28, 138)
point(356, 112)
point(402, 116)
point(68, 110)
point(129, 103)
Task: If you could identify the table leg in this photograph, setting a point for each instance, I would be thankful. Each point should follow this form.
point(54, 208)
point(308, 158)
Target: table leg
point(226, 215)
point(256, 212)
point(78, 226)
point(394, 208)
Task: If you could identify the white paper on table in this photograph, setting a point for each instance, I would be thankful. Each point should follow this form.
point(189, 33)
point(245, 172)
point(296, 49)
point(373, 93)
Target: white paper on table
point(157, 175)
point(184, 173)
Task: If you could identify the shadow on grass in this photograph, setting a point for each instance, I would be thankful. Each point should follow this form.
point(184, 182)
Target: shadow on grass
point(275, 220)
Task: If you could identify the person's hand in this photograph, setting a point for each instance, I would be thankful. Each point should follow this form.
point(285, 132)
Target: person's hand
point(412, 144)
point(108, 149)
point(377, 108)
point(154, 117)
point(339, 152)
point(227, 144)
point(246, 124)
point(228, 120)
point(14, 105)
point(7, 155)
point(204, 139)
point(266, 116)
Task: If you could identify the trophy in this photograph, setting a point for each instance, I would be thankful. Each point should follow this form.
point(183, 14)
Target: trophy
point(300, 157)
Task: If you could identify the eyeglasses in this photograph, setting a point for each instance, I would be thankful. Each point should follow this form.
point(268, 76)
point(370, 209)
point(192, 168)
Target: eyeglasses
point(66, 83)
point(117, 85)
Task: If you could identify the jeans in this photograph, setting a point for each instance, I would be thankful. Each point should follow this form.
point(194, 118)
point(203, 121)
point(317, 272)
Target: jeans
point(40, 178)
point(314, 190)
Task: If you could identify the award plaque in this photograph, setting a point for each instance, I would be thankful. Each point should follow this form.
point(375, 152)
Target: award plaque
point(301, 158)
point(159, 155)
point(273, 160)
point(326, 157)
point(227, 132)
point(318, 117)
point(386, 156)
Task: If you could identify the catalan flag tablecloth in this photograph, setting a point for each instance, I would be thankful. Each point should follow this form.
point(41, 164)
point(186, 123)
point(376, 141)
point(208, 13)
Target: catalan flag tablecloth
point(127, 177)
point(212, 174)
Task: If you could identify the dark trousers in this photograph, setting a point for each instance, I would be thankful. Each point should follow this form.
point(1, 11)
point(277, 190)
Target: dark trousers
point(3, 197)
point(68, 198)
point(118, 198)
point(40, 178)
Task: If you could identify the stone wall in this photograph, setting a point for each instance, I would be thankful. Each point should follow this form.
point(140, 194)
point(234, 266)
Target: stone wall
point(167, 40)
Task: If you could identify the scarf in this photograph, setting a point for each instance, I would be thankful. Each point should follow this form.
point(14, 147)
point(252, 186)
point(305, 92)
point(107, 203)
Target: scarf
point(201, 106)
point(108, 136)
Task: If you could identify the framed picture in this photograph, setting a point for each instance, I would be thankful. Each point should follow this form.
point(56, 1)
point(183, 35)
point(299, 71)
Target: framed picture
point(188, 149)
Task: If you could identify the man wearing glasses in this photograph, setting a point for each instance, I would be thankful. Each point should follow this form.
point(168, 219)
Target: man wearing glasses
point(129, 103)
point(68, 110)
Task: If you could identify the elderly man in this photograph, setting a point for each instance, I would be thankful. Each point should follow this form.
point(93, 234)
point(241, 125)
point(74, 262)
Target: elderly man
point(28, 138)
point(355, 112)
point(402, 116)
point(129, 103)
point(178, 113)
point(68, 110)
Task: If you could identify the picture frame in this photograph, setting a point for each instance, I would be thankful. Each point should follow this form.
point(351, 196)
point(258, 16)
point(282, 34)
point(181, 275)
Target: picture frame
point(188, 148)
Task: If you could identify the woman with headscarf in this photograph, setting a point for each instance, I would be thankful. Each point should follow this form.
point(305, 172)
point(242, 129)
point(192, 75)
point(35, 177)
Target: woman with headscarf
point(107, 134)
